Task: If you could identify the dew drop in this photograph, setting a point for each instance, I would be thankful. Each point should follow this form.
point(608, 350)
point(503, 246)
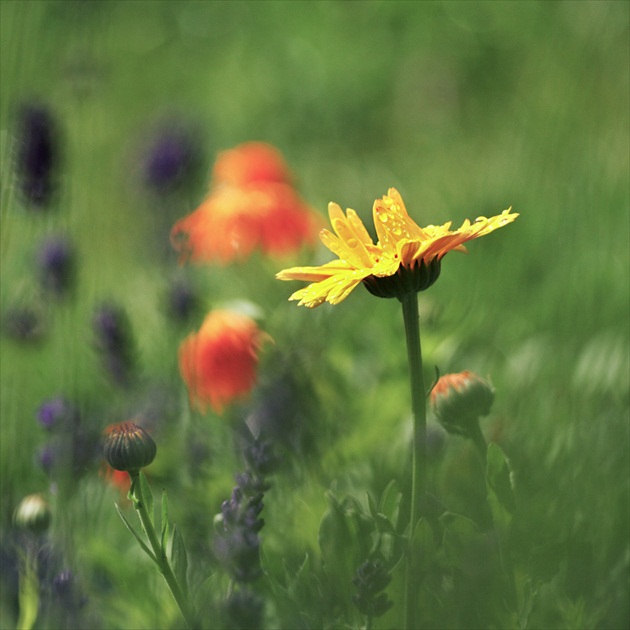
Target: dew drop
point(352, 242)
point(383, 217)
point(397, 231)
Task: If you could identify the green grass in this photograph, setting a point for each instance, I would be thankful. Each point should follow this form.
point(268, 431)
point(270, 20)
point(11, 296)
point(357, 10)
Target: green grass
point(467, 108)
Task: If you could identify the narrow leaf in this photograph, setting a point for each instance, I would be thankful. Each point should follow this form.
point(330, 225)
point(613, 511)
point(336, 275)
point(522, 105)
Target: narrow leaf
point(390, 502)
point(179, 559)
point(544, 562)
point(372, 505)
point(338, 542)
point(135, 534)
point(164, 522)
point(461, 535)
point(383, 524)
point(499, 489)
point(422, 539)
point(437, 378)
point(147, 496)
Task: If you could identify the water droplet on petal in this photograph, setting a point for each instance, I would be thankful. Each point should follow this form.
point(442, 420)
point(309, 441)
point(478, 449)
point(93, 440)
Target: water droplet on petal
point(397, 231)
point(352, 242)
point(383, 217)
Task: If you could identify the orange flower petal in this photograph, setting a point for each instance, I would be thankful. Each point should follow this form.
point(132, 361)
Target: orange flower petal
point(250, 163)
point(218, 363)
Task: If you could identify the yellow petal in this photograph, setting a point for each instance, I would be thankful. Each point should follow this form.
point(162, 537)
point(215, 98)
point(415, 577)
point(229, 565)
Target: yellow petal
point(354, 249)
point(359, 229)
point(392, 222)
point(313, 274)
point(333, 289)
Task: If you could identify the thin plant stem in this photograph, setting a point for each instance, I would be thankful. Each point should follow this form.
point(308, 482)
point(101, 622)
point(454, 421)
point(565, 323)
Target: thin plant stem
point(28, 589)
point(160, 554)
point(419, 461)
point(480, 442)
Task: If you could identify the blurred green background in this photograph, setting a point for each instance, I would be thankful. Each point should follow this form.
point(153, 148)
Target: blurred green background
point(467, 108)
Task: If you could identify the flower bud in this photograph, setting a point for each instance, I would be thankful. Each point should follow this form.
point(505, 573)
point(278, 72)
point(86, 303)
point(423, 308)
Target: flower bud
point(128, 447)
point(33, 514)
point(459, 400)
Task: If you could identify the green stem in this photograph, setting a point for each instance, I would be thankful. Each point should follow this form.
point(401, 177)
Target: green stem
point(419, 460)
point(28, 590)
point(480, 442)
point(160, 553)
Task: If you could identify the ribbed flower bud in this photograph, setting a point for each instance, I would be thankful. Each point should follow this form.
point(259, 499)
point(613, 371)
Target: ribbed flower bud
point(33, 514)
point(129, 447)
point(406, 280)
point(459, 400)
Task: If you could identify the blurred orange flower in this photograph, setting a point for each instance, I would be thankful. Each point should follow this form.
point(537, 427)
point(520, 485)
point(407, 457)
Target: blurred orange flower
point(232, 222)
point(251, 163)
point(116, 478)
point(251, 205)
point(218, 363)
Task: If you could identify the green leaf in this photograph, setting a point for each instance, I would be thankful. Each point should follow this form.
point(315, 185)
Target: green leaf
point(147, 496)
point(390, 502)
point(437, 378)
point(499, 490)
point(461, 534)
point(544, 562)
point(383, 524)
point(503, 506)
point(422, 543)
point(292, 578)
point(371, 505)
point(179, 559)
point(164, 521)
point(136, 535)
point(338, 542)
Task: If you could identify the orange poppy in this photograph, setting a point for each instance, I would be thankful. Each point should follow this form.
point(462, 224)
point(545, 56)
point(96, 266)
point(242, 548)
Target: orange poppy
point(252, 205)
point(250, 163)
point(232, 222)
point(218, 363)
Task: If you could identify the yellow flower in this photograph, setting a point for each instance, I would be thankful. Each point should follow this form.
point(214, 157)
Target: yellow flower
point(406, 257)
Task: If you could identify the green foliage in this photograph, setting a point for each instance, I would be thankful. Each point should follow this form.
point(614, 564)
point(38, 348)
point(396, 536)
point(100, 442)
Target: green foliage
point(179, 559)
point(466, 108)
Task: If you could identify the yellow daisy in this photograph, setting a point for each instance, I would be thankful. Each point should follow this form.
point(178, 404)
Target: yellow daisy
point(405, 259)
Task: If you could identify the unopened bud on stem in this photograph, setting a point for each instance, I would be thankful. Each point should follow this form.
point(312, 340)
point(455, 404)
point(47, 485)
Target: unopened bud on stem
point(129, 447)
point(459, 400)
